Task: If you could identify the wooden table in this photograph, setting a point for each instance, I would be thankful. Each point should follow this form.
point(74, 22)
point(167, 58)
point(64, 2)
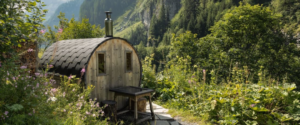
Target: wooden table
point(134, 93)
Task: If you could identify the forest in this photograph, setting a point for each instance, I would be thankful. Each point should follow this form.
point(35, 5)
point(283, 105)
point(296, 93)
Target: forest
point(219, 61)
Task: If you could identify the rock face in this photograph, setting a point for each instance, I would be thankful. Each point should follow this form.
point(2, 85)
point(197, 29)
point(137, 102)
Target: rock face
point(172, 5)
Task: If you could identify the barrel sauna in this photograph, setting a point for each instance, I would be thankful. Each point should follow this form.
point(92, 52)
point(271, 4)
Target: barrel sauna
point(109, 62)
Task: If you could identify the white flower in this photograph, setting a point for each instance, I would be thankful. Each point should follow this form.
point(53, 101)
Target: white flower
point(53, 99)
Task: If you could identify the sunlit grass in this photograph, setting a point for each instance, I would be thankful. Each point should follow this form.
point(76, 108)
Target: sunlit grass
point(41, 52)
point(126, 32)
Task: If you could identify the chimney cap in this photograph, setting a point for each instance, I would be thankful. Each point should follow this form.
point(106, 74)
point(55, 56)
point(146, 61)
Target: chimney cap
point(108, 12)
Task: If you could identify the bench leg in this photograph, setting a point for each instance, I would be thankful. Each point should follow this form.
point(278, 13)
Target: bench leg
point(151, 109)
point(135, 109)
point(129, 104)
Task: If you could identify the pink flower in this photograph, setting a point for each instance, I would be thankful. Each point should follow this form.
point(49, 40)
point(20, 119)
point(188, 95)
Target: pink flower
point(64, 110)
point(88, 113)
point(37, 74)
point(252, 105)
point(60, 30)
point(29, 50)
point(54, 90)
point(6, 112)
point(70, 77)
point(190, 81)
point(30, 114)
point(82, 70)
point(42, 31)
point(50, 66)
point(37, 85)
point(94, 115)
point(203, 70)
point(23, 67)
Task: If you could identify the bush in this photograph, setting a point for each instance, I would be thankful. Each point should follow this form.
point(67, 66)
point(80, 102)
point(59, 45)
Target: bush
point(235, 101)
point(26, 99)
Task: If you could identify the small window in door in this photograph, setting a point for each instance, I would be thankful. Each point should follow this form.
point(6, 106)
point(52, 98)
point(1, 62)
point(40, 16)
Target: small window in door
point(101, 63)
point(128, 61)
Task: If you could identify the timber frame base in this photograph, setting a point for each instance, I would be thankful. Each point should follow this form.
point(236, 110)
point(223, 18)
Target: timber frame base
point(135, 98)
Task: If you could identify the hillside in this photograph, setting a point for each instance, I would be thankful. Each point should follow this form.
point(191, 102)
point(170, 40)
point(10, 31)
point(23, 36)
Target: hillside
point(70, 8)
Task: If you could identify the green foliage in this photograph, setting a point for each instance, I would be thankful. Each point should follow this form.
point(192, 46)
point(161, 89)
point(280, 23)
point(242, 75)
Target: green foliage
point(290, 14)
point(246, 36)
point(238, 101)
point(71, 30)
point(28, 99)
point(17, 26)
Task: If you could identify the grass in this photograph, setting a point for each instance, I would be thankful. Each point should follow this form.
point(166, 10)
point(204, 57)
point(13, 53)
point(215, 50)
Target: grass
point(127, 31)
point(184, 115)
point(41, 52)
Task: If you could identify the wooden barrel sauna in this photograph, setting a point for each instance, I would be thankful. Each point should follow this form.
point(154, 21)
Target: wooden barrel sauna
point(109, 62)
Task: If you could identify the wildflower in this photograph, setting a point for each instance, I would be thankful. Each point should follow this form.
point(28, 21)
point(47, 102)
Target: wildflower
point(29, 50)
point(94, 115)
point(70, 77)
point(14, 78)
point(50, 66)
point(46, 93)
point(37, 74)
point(6, 112)
point(190, 81)
point(64, 110)
point(30, 114)
point(203, 70)
point(88, 113)
point(37, 85)
point(71, 112)
point(252, 105)
point(16, 86)
point(60, 30)
point(53, 99)
point(54, 90)
point(64, 94)
point(81, 97)
point(7, 73)
point(82, 70)
point(52, 81)
point(73, 90)
point(42, 31)
point(23, 67)
point(33, 111)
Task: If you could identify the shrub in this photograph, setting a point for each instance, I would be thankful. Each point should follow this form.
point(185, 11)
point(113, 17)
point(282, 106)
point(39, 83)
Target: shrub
point(234, 101)
point(26, 99)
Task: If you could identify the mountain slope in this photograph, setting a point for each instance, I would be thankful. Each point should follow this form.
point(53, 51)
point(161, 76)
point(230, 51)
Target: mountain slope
point(71, 9)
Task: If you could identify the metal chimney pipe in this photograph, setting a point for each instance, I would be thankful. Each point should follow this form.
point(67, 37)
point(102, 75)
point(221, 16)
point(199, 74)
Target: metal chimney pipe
point(108, 24)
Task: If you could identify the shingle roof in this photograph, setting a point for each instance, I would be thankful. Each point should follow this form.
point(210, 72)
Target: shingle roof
point(70, 56)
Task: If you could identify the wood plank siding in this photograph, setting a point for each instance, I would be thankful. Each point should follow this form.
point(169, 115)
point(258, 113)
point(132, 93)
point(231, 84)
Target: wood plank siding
point(115, 70)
